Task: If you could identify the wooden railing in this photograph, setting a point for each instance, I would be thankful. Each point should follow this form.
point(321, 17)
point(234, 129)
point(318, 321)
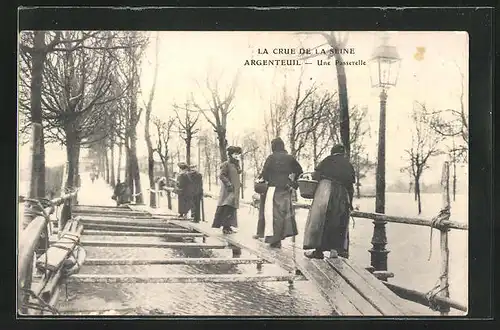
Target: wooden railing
point(438, 297)
point(35, 222)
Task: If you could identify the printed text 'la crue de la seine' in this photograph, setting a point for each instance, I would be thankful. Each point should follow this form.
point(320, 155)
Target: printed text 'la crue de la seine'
point(300, 56)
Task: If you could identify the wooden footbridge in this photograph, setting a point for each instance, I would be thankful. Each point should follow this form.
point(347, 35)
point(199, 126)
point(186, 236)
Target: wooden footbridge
point(350, 289)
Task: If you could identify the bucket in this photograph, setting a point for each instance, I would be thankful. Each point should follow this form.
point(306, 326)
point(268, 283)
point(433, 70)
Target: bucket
point(307, 186)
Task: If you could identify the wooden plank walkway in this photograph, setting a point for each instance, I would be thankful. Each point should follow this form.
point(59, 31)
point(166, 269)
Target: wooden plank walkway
point(349, 289)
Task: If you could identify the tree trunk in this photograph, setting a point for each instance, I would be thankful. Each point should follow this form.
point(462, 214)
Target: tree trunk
point(417, 192)
point(166, 171)
point(454, 180)
point(73, 157)
point(188, 149)
point(112, 169)
point(106, 165)
point(343, 105)
point(37, 180)
point(222, 142)
point(242, 177)
point(135, 172)
point(119, 170)
point(151, 162)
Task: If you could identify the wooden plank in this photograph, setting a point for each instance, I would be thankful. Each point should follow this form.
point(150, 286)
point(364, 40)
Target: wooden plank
point(173, 261)
point(139, 233)
point(113, 215)
point(110, 210)
point(376, 284)
point(333, 291)
point(340, 293)
point(241, 240)
point(384, 305)
point(169, 245)
point(100, 226)
point(127, 222)
point(212, 278)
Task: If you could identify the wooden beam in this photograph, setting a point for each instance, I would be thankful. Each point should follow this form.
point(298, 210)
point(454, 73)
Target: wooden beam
point(421, 297)
point(363, 283)
point(212, 278)
point(169, 245)
point(141, 233)
point(396, 219)
point(173, 261)
point(127, 222)
point(100, 226)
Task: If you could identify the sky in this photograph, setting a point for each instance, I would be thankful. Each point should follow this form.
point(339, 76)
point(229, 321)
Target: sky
point(187, 58)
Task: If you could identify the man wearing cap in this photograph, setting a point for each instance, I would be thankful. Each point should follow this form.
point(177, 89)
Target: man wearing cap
point(229, 197)
point(184, 194)
point(197, 182)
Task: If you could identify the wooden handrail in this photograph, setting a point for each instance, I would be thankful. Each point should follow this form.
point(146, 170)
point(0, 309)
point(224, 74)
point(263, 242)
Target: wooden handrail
point(28, 240)
point(397, 219)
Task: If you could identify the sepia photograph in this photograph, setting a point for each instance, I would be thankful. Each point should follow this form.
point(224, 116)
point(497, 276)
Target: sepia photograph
point(242, 173)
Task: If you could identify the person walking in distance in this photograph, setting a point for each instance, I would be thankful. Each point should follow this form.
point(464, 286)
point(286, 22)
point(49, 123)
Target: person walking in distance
point(281, 171)
point(229, 197)
point(197, 181)
point(327, 226)
point(184, 194)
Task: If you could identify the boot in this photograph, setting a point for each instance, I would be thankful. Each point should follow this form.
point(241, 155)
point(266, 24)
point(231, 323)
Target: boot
point(315, 254)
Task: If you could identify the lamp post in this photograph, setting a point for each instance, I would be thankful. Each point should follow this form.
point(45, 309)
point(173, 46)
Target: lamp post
point(384, 70)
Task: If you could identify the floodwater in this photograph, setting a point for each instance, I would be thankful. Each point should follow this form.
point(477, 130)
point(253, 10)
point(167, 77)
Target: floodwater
point(409, 260)
point(241, 299)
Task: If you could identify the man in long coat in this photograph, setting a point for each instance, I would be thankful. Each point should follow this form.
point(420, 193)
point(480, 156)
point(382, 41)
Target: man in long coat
point(328, 220)
point(184, 190)
point(229, 197)
point(197, 181)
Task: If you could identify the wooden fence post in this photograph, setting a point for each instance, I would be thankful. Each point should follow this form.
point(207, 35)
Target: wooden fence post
point(445, 252)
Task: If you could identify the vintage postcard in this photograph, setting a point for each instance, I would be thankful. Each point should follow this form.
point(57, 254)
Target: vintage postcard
point(241, 173)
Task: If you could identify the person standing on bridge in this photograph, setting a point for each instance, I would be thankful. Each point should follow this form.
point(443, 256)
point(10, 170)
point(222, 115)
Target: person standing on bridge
point(197, 181)
point(229, 197)
point(281, 171)
point(184, 190)
point(327, 226)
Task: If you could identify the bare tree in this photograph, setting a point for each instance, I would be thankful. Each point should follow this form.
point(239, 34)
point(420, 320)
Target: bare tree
point(163, 135)
point(424, 145)
point(218, 107)
point(337, 41)
point(318, 109)
point(76, 97)
point(275, 119)
point(186, 125)
point(298, 125)
point(149, 144)
point(210, 151)
point(34, 46)
point(453, 124)
point(255, 151)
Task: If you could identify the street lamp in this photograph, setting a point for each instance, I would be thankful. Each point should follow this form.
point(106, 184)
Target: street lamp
point(384, 69)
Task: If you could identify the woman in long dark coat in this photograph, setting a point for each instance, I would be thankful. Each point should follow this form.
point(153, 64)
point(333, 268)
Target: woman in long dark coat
point(229, 197)
point(281, 171)
point(328, 220)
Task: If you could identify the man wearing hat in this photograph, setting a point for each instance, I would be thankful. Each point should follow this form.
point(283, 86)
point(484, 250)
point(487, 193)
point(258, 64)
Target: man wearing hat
point(197, 182)
point(229, 197)
point(327, 226)
point(184, 192)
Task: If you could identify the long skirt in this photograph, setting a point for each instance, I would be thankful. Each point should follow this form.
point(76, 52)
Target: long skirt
point(184, 203)
point(327, 226)
point(225, 216)
point(279, 209)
